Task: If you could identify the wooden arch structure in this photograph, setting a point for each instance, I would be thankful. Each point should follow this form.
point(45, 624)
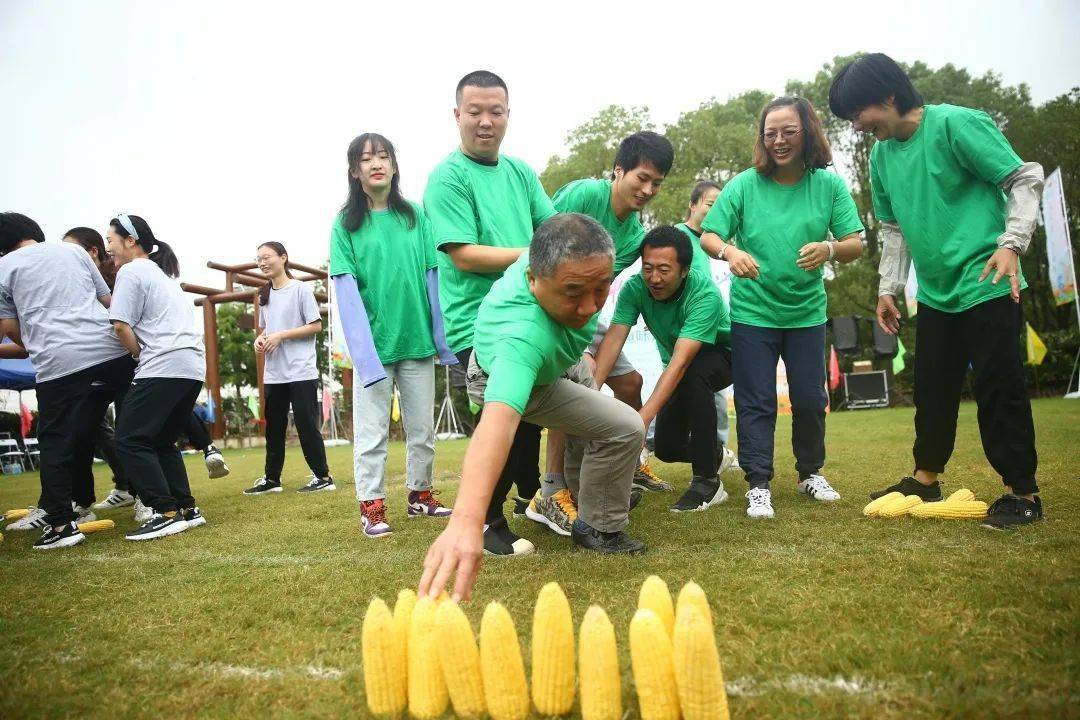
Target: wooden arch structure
point(251, 279)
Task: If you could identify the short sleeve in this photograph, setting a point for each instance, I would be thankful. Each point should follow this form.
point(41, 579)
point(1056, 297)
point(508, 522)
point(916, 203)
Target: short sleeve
point(7, 302)
point(569, 198)
point(427, 239)
point(702, 315)
point(540, 204)
point(628, 304)
point(982, 150)
point(342, 258)
point(725, 217)
point(879, 193)
point(309, 306)
point(450, 209)
point(128, 299)
point(845, 214)
point(512, 375)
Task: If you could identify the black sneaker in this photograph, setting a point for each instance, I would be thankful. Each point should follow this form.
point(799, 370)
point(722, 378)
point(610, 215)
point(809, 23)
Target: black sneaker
point(702, 494)
point(193, 516)
point(215, 462)
point(648, 481)
point(52, 539)
point(636, 494)
point(910, 486)
point(520, 506)
point(499, 540)
point(611, 543)
point(263, 486)
point(1009, 511)
point(317, 484)
point(159, 526)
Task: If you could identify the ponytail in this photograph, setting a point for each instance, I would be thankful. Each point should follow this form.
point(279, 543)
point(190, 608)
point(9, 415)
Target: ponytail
point(279, 249)
point(134, 226)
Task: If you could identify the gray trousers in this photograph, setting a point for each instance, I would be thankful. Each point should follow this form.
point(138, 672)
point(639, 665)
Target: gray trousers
point(604, 437)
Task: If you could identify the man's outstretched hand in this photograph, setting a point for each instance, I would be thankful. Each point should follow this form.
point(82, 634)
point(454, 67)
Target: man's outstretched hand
point(459, 552)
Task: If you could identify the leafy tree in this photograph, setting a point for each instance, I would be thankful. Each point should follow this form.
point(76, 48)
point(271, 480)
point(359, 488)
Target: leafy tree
point(593, 145)
point(236, 354)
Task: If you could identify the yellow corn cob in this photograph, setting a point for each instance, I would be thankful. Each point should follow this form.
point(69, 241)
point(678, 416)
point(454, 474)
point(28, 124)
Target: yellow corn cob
point(17, 514)
point(598, 668)
point(459, 660)
point(384, 661)
point(698, 675)
point(872, 509)
point(692, 594)
point(403, 609)
point(552, 652)
point(505, 688)
point(96, 526)
point(900, 506)
point(428, 696)
point(654, 669)
point(951, 510)
point(961, 495)
point(655, 596)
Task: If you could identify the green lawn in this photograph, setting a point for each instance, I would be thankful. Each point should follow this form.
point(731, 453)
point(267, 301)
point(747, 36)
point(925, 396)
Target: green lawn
point(820, 612)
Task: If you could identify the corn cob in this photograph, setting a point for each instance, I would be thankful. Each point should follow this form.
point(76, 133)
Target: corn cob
point(96, 526)
point(428, 696)
point(384, 661)
point(403, 610)
point(951, 510)
point(692, 594)
point(961, 495)
point(655, 596)
point(505, 688)
point(698, 675)
point(872, 509)
point(17, 514)
point(899, 506)
point(598, 668)
point(459, 660)
point(552, 652)
point(654, 669)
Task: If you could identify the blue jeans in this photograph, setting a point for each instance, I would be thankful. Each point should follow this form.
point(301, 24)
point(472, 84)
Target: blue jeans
point(754, 354)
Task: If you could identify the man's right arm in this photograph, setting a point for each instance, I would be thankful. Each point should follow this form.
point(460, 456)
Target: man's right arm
point(469, 257)
point(609, 350)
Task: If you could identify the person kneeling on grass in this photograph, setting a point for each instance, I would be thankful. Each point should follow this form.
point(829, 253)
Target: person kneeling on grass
point(691, 325)
point(531, 331)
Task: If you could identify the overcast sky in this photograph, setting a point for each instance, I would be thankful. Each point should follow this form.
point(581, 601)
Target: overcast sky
point(225, 125)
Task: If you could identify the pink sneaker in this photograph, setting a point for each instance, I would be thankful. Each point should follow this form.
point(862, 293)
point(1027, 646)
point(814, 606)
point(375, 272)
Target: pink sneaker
point(373, 519)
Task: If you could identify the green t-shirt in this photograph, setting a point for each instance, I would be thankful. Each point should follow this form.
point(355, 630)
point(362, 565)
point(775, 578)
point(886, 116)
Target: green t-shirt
point(771, 222)
point(390, 261)
point(697, 313)
point(593, 198)
point(701, 260)
point(941, 186)
point(517, 343)
point(477, 204)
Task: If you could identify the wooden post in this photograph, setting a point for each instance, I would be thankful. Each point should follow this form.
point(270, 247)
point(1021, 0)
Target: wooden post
point(213, 371)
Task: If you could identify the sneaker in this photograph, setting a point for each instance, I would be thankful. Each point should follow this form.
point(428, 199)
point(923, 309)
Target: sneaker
point(521, 505)
point(910, 486)
point(499, 540)
point(52, 539)
point(159, 526)
point(647, 481)
point(263, 486)
point(33, 520)
point(759, 503)
point(817, 487)
point(84, 514)
point(611, 543)
point(636, 494)
point(373, 519)
point(194, 517)
point(702, 494)
point(317, 484)
point(215, 462)
point(558, 511)
point(422, 503)
point(116, 498)
point(1009, 511)
point(728, 460)
point(142, 512)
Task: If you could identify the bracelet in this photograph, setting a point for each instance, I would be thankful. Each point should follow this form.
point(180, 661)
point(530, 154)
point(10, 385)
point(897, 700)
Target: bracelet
point(832, 250)
point(723, 251)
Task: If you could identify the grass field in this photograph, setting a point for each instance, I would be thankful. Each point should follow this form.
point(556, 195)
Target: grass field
point(819, 612)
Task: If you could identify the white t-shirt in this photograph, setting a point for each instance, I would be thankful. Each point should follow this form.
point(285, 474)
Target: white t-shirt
point(289, 307)
point(53, 289)
point(164, 322)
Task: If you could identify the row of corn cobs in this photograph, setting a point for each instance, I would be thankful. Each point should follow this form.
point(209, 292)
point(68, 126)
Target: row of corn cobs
point(961, 505)
point(423, 656)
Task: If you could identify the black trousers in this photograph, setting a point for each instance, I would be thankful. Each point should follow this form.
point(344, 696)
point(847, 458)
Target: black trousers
point(154, 414)
point(522, 464)
point(70, 409)
point(302, 396)
point(686, 425)
point(197, 433)
point(987, 337)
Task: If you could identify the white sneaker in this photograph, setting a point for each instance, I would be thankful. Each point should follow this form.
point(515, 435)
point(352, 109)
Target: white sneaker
point(215, 463)
point(142, 513)
point(759, 503)
point(34, 520)
point(84, 514)
point(116, 498)
point(817, 487)
point(729, 461)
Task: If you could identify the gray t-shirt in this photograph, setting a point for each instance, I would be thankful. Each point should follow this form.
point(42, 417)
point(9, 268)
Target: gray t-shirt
point(291, 306)
point(52, 289)
point(164, 322)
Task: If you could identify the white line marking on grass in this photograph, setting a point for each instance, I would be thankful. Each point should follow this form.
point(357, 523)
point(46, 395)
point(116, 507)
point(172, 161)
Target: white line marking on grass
point(806, 685)
point(221, 669)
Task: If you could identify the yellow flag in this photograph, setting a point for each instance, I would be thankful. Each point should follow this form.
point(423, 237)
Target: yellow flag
point(395, 407)
point(1036, 351)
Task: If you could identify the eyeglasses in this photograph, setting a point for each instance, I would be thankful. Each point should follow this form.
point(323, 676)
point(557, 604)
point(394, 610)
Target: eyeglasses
point(769, 136)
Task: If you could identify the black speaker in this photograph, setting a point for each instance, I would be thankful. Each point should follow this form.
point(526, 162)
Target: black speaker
point(845, 332)
point(866, 390)
point(884, 344)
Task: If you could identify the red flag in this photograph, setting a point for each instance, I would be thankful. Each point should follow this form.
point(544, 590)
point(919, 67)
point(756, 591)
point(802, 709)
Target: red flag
point(26, 421)
point(327, 403)
point(834, 369)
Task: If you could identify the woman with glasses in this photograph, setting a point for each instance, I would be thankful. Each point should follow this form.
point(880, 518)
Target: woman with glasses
point(776, 224)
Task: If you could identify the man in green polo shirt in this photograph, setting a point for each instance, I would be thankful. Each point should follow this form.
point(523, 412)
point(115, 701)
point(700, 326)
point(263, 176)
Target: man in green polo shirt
point(527, 365)
point(952, 195)
point(690, 323)
point(483, 208)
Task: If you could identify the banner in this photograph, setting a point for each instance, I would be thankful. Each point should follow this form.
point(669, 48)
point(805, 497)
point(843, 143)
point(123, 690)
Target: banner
point(1036, 350)
point(1058, 245)
point(911, 291)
